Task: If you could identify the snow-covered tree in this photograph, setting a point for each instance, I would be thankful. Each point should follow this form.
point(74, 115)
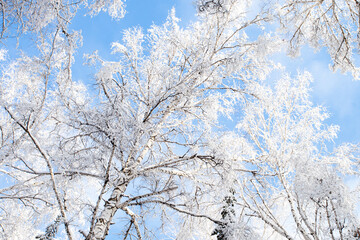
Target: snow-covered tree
point(288, 182)
point(150, 142)
point(227, 216)
point(330, 23)
point(22, 16)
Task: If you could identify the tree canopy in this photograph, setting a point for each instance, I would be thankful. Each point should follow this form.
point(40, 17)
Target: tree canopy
point(151, 152)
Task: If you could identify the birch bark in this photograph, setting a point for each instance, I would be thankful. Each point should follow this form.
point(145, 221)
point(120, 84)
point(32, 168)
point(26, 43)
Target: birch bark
point(103, 222)
point(102, 225)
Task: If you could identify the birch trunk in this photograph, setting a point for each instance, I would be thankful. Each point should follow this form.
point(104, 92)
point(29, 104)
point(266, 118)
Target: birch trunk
point(103, 222)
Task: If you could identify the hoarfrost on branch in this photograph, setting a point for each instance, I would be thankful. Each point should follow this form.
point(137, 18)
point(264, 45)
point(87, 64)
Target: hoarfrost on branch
point(152, 141)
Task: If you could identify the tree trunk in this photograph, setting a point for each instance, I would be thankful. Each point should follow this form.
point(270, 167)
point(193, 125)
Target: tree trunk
point(102, 225)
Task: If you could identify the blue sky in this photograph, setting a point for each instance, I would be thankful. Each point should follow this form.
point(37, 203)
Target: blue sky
point(338, 92)
point(100, 31)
